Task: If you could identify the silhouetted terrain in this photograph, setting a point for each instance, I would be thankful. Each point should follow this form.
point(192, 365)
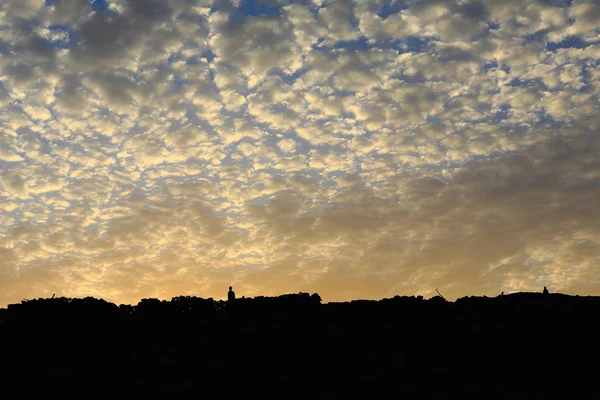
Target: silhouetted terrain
point(518, 346)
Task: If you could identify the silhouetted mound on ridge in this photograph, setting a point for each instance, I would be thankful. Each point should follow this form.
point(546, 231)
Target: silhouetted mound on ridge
point(517, 346)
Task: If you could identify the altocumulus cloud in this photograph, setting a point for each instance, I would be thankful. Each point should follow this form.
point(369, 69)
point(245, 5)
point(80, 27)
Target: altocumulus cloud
point(359, 148)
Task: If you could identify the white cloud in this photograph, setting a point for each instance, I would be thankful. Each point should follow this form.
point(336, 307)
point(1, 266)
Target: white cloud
point(9, 156)
point(336, 16)
point(287, 145)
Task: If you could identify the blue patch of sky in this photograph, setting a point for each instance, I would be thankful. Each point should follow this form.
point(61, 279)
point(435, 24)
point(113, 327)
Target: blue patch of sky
point(393, 44)
point(258, 7)
point(539, 36)
point(103, 111)
point(290, 78)
point(544, 118)
point(354, 22)
point(410, 44)
point(432, 119)
point(4, 47)
point(502, 113)
point(571, 42)
point(516, 82)
point(557, 3)
point(209, 55)
point(178, 83)
point(390, 8)
point(586, 78)
point(17, 215)
point(416, 44)
point(416, 78)
point(505, 68)
point(536, 83)
point(44, 144)
point(488, 66)
point(174, 57)
point(99, 5)
point(4, 92)
point(252, 8)
point(303, 146)
point(278, 108)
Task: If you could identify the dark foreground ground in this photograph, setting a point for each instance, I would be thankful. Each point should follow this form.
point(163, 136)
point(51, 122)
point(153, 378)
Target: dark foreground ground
point(519, 346)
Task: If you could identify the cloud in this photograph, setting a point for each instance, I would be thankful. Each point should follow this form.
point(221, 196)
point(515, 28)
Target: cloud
point(361, 151)
point(257, 44)
point(337, 18)
point(287, 145)
point(9, 156)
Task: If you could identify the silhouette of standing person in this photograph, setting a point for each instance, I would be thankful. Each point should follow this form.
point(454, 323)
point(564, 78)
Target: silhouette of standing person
point(545, 290)
point(230, 295)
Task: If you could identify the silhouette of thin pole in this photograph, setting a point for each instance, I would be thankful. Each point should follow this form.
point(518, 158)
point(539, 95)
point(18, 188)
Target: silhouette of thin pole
point(438, 292)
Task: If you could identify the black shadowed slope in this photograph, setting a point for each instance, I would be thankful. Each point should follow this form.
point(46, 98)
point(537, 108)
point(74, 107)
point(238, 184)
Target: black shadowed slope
point(518, 346)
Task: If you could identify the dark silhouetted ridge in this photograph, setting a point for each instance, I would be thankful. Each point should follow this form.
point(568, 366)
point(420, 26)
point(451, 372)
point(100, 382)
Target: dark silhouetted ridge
point(514, 346)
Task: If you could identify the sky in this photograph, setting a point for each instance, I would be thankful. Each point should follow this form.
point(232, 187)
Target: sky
point(360, 149)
